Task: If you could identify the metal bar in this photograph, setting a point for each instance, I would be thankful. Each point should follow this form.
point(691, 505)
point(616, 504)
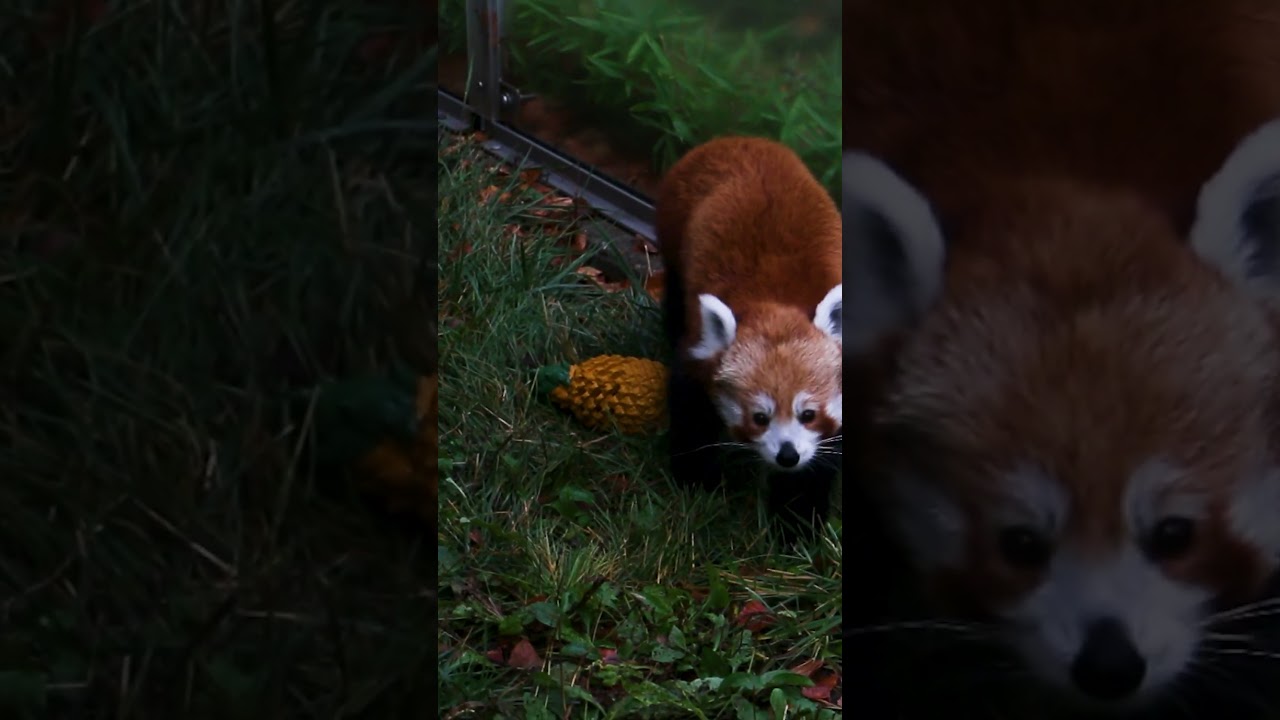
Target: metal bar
point(455, 114)
point(612, 199)
point(484, 54)
point(486, 106)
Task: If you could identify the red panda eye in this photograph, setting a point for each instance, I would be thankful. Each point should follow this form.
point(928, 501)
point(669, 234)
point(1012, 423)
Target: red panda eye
point(1171, 538)
point(1024, 548)
point(760, 419)
point(808, 416)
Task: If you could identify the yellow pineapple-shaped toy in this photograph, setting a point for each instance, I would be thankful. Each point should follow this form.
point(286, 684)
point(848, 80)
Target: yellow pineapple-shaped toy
point(608, 391)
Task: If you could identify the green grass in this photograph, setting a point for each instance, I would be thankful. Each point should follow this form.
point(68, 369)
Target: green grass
point(576, 540)
point(666, 75)
point(208, 210)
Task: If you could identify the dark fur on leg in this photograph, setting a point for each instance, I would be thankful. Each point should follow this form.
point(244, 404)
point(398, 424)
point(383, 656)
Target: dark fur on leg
point(695, 426)
point(694, 435)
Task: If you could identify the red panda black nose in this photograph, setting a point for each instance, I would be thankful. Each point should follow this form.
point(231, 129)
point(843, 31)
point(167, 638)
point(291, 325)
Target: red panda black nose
point(787, 455)
point(1108, 666)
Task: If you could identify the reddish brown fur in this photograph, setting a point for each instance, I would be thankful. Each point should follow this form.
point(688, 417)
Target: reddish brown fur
point(745, 220)
point(1062, 145)
point(1145, 94)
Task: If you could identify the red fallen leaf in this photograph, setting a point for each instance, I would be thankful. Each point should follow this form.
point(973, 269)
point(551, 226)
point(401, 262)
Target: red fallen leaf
point(476, 538)
point(655, 284)
point(495, 656)
point(530, 176)
point(480, 136)
point(579, 242)
point(645, 245)
point(523, 656)
point(618, 484)
point(821, 688)
point(754, 617)
point(609, 656)
point(458, 252)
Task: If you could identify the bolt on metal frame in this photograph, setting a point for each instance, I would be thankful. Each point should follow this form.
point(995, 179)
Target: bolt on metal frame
point(489, 105)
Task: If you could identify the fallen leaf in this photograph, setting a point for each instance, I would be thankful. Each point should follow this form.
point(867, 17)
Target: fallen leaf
point(655, 284)
point(487, 194)
point(808, 667)
point(558, 201)
point(463, 249)
point(597, 276)
point(594, 274)
point(523, 656)
point(618, 484)
point(822, 686)
point(754, 616)
point(579, 242)
point(530, 176)
point(495, 656)
point(645, 245)
point(609, 656)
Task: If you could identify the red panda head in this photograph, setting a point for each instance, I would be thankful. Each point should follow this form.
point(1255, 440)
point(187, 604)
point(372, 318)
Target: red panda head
point(776, 383)
point(1077, 440)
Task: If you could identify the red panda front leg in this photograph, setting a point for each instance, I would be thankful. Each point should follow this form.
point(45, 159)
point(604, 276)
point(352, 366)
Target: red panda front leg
point(694, 427)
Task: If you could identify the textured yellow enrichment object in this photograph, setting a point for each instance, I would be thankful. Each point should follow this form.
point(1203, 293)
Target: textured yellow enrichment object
point(609, 391)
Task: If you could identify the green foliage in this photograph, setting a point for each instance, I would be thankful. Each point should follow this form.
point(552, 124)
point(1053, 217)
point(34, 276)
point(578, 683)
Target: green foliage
point(667, 75)
point(208, 211)
point(626, 592)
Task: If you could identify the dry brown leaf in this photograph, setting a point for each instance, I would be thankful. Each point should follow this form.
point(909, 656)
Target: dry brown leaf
point(595, 275)
point(523, 656)
point(579, 242)
point(655, 284)
point(530, 176)
point(463, 249)
point(645, 245)
point(808, 667)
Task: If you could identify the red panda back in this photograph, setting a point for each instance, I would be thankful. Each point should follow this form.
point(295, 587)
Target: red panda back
point(743, 219)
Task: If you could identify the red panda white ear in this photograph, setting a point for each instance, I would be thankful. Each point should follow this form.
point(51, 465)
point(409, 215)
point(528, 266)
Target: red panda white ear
point(828, 315)
point(1237, 225)
point(718, 328)
point(893, 247)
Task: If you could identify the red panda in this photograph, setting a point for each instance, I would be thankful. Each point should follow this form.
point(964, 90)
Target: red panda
point(751, 245)
point(1064, 220)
